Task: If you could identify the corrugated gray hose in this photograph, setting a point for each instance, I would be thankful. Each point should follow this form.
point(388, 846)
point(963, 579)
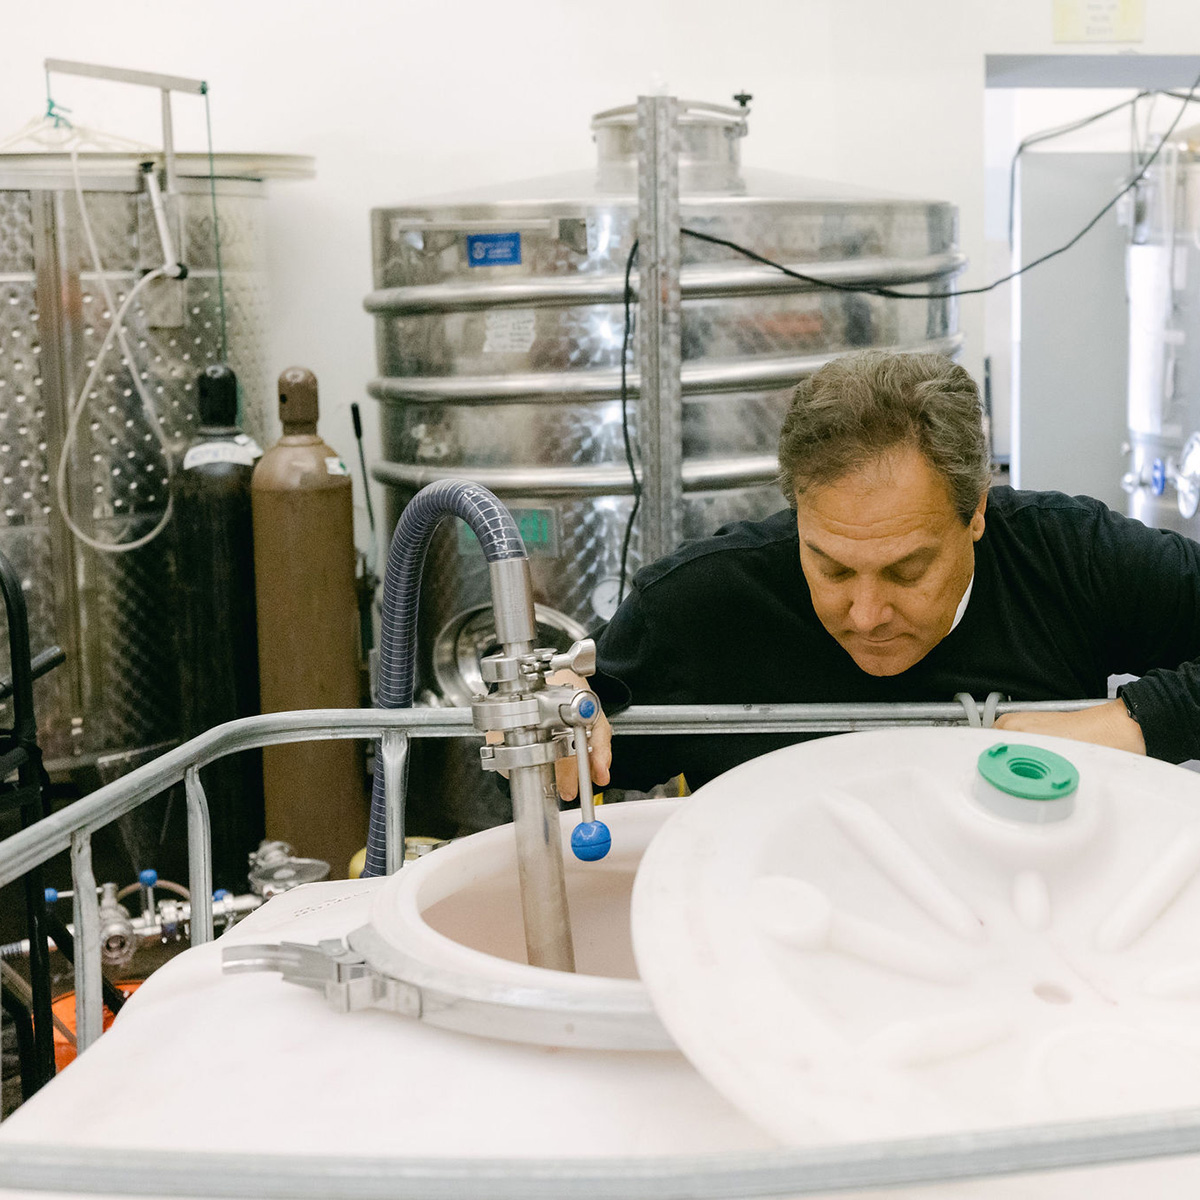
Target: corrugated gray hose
point(493, 525)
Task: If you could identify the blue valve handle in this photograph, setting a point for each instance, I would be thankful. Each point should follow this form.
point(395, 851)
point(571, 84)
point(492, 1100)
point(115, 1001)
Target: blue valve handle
point(590, 839)
point(587, 801)
point(1158, 477)
point(148, 877)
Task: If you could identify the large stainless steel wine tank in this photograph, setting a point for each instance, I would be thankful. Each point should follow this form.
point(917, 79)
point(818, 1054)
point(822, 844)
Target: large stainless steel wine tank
point(115, 700)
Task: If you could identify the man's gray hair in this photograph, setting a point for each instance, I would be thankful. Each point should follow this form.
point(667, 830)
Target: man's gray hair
point(862, 405)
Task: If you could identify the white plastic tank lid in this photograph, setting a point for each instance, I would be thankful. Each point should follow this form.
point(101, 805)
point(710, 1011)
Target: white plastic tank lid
point(848, 943)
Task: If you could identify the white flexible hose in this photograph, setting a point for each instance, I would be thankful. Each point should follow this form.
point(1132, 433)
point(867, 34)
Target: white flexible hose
point(115, 330)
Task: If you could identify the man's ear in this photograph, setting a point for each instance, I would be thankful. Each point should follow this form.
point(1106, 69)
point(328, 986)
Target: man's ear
point(977, 522)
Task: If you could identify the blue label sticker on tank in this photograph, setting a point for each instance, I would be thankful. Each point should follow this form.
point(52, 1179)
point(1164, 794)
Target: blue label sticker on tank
point(493, 249)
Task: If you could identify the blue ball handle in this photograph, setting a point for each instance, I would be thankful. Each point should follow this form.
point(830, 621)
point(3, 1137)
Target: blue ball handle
point(590, 840)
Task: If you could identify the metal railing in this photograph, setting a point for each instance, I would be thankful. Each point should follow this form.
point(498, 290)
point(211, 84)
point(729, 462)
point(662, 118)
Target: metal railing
point(72, 828)
point(769, 1173)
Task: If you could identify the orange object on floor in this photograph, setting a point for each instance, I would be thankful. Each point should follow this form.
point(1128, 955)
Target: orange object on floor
point(64, 1010)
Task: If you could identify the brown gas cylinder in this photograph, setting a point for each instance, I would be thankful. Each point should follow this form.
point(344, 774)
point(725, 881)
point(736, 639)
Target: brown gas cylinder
point(308, 640)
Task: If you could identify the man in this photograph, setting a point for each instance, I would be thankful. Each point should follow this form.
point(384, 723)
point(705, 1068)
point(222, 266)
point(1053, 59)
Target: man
point(898, 576)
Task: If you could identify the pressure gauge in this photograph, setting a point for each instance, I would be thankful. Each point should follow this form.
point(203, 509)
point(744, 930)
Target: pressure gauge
point(606, 596)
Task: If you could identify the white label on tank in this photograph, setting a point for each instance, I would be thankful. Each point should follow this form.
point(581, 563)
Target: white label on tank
point(509, 331)
point(335, 466)
point(220, 452)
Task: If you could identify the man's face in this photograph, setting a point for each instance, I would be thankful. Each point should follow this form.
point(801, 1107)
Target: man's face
point(887, 559)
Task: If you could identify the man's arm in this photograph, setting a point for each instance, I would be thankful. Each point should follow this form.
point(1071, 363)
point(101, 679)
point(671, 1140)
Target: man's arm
point(1141, 600)
point(1104, 725)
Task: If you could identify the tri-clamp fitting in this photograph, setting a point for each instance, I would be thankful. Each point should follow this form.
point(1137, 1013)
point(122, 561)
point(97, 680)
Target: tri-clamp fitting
point(541, 722)
point(559, 716)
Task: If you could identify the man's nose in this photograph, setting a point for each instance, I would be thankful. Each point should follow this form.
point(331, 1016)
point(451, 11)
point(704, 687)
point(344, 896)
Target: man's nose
point(870, 607)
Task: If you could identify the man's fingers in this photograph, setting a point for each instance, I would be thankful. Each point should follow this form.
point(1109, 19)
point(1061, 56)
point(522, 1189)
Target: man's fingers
point(600, 756)
point(566, 776)
point(566, 772)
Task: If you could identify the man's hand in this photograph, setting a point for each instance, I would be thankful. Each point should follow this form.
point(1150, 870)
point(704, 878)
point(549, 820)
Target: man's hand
point(566, 773)
point(1103, 724)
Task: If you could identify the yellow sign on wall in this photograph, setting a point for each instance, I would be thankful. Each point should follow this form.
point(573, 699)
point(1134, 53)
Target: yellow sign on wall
point(1099, 20)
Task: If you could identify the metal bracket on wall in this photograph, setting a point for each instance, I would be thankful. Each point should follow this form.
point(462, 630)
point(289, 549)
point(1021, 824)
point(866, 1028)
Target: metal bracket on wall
point(660, 402)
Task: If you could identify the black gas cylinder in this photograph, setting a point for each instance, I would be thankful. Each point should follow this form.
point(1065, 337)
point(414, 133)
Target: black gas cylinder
point(217, 644)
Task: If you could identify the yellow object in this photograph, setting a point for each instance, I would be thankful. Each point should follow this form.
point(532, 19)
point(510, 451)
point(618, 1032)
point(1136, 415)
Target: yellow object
point(357, 863)
point(1099, 20)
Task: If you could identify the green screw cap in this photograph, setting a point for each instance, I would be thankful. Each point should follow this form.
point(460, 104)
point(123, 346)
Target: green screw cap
point(1029, 772)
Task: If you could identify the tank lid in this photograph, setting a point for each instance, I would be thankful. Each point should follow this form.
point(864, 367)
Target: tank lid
point(216, 386)
point(710, 172)
point(298, 409)
point(43, 147)
point(709, 147)
point(691, 112)
point(188, 166)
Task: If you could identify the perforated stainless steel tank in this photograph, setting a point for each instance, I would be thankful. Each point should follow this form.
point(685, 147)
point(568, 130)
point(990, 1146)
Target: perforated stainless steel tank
point(116, 697)
point(499, 330)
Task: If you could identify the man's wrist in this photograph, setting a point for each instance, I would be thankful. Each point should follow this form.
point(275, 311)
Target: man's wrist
point(1127, 727)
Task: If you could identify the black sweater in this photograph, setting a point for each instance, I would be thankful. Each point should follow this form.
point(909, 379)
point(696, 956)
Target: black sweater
point(1066, 593)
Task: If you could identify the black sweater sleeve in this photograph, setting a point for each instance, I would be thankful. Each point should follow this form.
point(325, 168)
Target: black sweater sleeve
point(634, 658)
point(1147, 587)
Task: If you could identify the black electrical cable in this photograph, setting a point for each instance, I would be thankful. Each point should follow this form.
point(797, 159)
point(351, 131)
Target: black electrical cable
point(1058, 131)
point(859, 289)
point(892, 294)
point(356, 417)
point(633, 475)
point(1061, 130)
point(1135, 156)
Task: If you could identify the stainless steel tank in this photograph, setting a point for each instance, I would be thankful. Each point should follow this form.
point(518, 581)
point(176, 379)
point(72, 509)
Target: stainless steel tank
point(499, 331)
point(1163, 286)
point(116, 698)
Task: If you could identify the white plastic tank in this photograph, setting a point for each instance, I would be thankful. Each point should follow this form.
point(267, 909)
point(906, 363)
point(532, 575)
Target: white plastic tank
point(883, 935)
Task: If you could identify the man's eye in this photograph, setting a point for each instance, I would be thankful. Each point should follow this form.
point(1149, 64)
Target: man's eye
point(837, 572)
point(908, 575)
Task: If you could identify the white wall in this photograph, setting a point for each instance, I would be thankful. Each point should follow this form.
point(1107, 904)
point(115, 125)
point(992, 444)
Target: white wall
point(397, 99)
